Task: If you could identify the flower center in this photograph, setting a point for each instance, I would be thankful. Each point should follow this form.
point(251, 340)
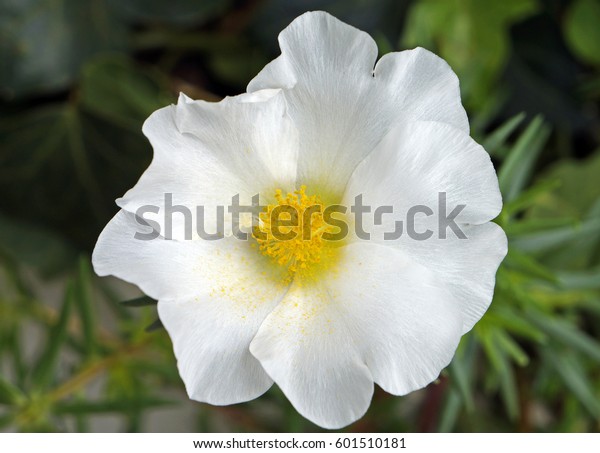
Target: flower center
point(291, 232)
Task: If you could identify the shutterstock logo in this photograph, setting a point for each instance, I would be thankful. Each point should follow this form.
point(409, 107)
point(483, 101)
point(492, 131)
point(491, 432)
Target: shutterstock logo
point(294, 221)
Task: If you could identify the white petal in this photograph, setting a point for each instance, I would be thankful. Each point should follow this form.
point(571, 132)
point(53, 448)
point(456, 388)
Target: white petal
point(162, 269)
point(341, 105)
point(250, 133)
point(211, 341)
point(415, 162)
point(404, 321)
point(466, 266)
point(424, 85)
point(213, 296)
point(380, 317)
point(308, 351)
point(411, 166)
point(205, 153)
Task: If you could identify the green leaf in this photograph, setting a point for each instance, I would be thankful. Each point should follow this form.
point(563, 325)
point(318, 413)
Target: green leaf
point(581, 29)
point(44, 43)
point(531, 196)
point(579, 197)
point(43, 373)
point(566, 333)
point(81, 420)
point(64, 151)
point(570, 370)
point(512, 348)
point(512, 320)
point(156, 325)
point(518, 166)
point(83, 300)
point(530, 226)
point(508, 387)
point(9, 394)
point(459, 376)
point(504, 371)
point(497, 139)
point(14, 344)
point(588, 279)
point(58, 152)
point(116, 89)
point(143, 301)
point(578, 191)
point(450, 411)
point(528, 265)
point(557, 237)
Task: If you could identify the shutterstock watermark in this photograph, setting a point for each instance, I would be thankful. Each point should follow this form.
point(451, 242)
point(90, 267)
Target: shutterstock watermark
point(288, 222)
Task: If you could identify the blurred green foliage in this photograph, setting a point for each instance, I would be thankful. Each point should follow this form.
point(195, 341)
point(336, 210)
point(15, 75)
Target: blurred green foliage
point(77, 80)
point(471, 35)
point(582, 31)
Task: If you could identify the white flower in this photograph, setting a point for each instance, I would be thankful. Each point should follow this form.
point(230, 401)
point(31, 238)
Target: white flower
point(323, 321)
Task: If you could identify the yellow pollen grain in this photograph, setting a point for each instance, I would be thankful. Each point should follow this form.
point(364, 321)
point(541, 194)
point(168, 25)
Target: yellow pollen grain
point(301, 220)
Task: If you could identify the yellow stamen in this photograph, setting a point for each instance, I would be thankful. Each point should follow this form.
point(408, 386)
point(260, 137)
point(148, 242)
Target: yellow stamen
point(291, 232)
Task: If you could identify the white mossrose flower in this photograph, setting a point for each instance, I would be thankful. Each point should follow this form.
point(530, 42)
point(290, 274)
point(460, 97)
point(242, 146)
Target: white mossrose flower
point(324, 321)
